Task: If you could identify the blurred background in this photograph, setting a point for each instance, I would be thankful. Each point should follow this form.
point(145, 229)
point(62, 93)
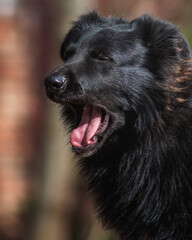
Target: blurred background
point(41, 195)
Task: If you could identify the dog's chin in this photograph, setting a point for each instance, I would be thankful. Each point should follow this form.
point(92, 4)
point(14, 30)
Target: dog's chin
point(88, 151)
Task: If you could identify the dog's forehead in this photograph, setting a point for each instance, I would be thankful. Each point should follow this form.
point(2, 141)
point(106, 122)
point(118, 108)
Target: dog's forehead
point(95, 36)
point(105, 36)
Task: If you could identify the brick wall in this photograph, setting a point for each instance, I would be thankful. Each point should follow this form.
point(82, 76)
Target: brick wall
point(23, 65)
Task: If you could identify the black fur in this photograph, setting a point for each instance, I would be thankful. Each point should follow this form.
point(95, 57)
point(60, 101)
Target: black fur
point(140, 170)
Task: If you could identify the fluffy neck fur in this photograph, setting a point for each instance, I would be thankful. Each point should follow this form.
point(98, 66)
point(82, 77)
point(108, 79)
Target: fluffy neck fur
point(144, 194)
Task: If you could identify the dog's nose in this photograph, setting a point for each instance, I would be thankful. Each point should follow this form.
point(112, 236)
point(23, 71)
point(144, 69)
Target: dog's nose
point(55, 82)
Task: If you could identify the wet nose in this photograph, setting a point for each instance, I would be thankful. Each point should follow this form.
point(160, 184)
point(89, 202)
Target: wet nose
point(55, 83)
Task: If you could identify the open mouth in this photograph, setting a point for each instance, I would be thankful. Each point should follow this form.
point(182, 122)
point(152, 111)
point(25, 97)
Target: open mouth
point(93, 123)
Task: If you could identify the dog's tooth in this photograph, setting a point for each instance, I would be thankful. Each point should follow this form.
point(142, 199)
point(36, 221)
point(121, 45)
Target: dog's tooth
point(93, 139)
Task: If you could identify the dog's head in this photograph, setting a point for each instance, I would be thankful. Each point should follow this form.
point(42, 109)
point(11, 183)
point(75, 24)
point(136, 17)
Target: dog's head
point(115, 74)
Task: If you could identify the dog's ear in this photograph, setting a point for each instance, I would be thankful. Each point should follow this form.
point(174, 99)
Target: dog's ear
point(92, 18)
point(164, 42)
point(163, 36)
point(81, 25)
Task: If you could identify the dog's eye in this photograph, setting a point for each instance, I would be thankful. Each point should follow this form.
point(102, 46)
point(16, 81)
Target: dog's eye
point(100, 56)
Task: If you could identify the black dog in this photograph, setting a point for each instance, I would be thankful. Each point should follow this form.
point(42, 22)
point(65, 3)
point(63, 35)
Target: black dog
point(125, 89)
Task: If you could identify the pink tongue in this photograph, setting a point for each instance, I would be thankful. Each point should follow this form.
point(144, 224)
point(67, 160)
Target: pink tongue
point(87, 128)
